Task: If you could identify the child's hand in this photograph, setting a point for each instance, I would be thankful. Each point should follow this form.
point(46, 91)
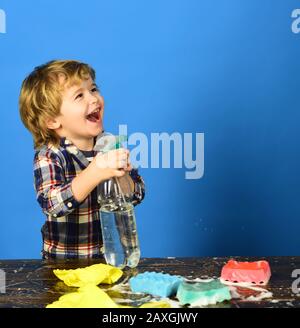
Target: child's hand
point(114, 162)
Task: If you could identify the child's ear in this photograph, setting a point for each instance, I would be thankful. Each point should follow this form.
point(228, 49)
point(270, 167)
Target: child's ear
point(52, 123)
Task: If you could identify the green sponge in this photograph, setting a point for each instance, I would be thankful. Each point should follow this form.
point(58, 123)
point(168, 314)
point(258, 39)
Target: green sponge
point(202, 293)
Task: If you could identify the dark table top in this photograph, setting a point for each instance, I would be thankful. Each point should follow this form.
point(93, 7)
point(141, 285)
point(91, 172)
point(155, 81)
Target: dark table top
point(31, 283)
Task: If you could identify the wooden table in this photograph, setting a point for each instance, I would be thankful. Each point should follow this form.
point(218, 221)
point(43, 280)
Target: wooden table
point(31, 283)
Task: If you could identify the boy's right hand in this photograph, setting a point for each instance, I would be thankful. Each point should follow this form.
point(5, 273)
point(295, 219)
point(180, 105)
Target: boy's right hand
point(113, 163)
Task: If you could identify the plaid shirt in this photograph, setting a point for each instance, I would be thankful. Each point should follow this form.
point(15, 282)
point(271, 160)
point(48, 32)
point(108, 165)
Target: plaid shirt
point(72, 229)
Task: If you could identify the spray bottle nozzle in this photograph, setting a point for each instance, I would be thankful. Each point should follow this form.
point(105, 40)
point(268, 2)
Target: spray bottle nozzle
point(109, 142)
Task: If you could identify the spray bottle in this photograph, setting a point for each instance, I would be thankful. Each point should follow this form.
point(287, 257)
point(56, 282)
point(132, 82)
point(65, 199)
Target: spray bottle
point(117, 216)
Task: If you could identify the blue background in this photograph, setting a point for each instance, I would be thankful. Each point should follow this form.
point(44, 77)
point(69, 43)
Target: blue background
point(227, 68)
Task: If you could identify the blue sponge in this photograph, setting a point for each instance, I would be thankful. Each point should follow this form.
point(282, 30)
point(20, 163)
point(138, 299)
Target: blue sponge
point(157, 284)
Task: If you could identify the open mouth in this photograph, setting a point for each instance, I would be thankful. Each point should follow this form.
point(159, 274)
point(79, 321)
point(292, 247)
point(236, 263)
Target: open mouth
point(94, 116)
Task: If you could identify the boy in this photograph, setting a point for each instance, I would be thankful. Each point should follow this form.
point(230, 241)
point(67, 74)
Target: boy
point(61, 106)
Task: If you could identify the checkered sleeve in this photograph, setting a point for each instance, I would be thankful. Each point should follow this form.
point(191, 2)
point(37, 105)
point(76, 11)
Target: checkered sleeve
point(54, 193)
point(139, 187)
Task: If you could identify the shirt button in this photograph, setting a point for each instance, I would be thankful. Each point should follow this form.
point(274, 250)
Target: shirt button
point(69, 204)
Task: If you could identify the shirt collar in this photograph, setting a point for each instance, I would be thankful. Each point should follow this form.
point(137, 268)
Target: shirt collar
point(74, 151)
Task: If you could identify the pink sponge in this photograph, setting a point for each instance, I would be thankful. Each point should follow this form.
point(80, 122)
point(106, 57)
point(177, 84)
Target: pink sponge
point(257, 273)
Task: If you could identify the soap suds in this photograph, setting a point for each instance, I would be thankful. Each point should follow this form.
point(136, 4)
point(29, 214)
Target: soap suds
point(263, 293)
point(259, 297)
point(199, 280)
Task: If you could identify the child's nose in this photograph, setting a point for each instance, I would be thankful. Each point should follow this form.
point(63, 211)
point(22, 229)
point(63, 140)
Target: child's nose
point(92, 98)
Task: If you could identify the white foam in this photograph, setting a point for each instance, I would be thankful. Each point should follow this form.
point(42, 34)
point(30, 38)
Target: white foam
point(264, 293)
point(242, 284)
point(204, 301)
point(200, 280)
point(259, 297)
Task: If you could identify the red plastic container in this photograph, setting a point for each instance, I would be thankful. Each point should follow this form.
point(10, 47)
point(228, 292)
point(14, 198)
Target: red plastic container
point(257, 273)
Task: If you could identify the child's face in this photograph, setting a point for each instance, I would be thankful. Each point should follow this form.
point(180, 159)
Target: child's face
point(81, 112)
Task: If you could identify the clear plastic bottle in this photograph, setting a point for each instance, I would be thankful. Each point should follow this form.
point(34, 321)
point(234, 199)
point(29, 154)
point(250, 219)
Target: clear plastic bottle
point(117, 217)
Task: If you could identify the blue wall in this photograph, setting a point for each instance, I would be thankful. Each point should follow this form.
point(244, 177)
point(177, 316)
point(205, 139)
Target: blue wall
point(227, 68)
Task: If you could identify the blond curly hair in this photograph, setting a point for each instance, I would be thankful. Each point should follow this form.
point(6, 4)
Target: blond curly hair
point(41, 96)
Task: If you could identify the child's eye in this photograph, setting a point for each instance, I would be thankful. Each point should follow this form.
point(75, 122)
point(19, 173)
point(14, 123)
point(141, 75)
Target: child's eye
point(80, 95)
point(95, 89)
